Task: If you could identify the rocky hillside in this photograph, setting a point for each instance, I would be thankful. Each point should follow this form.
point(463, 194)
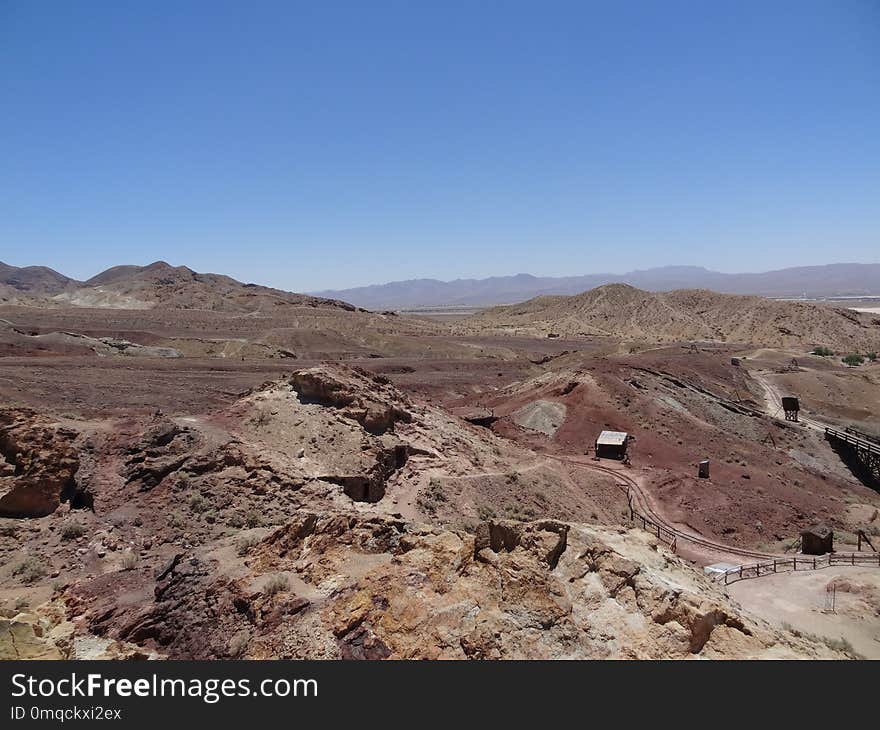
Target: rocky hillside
point(39, 281)
point(32, 285)
point(161, 285)
point(340, 585)
point(327, 514)
point(622, 311)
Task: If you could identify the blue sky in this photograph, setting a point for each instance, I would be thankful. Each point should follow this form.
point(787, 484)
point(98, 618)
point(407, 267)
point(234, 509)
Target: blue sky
point(318, 145)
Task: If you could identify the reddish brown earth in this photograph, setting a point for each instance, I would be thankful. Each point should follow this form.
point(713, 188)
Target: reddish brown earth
point(305, 484)
point(769, 479)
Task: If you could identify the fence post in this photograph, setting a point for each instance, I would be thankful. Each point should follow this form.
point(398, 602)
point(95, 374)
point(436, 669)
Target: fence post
point(795, 564)
point(774, 565)
point(814, 563)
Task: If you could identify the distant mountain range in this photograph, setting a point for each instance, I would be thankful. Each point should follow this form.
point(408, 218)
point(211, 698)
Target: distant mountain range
point(814, 281)
point(178, 287)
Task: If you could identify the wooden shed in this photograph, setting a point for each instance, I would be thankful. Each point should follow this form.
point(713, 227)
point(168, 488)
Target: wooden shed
point(817, 540)
point(612, 444)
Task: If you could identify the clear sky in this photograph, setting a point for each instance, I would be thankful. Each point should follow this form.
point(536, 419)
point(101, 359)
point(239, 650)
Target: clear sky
point(319, 144)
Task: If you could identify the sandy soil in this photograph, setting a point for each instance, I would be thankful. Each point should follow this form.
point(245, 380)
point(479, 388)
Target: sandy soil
point(799, 600)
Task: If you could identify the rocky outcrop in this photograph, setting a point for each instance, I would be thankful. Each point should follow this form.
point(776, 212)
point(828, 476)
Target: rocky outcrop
point(349, 585)
point(546, 539)
point(38, 464)
point(44, 633)
point(369, 485)
point(360, 395)
point(514, 590)
point(161, 450)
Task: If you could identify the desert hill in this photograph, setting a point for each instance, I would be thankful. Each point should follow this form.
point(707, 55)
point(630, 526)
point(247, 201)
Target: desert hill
point(161, 285)
point(34, 280)
point(162, 310)
point(31, 284)
point(689, 314)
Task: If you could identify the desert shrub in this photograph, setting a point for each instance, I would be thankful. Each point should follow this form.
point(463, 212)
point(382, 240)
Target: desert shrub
point(276, 584)
point(823, 351)
point(21, 603)
point(253, 519)
point(238, 644)
point(872, 356)
point(29, 570)
point(245, 544)
point(72, 530)
point(853, 359)
point(197, 503)
point(841, 644)
point(129, 560)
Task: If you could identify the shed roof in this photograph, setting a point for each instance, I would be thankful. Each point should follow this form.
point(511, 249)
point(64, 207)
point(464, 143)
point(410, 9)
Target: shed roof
point(720, 568)
point(612, 438)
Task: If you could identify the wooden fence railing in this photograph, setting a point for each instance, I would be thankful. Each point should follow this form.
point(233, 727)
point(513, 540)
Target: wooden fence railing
point(853, 440)
point(803, 562)
point(862, 434)
point(662, 533)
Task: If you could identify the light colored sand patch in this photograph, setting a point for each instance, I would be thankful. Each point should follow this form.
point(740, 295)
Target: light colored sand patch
point(798, 600)
point(543, 416)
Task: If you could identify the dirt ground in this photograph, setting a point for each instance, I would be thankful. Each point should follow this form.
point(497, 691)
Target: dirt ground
point(240, 447)
point(828, 391)
point(801, 601)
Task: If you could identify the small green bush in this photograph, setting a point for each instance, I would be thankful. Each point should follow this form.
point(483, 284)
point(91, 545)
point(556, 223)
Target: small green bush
point(853, 360)
point(823, 351)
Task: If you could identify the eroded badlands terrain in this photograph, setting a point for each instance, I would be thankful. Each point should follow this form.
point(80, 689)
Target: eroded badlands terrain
point(304, 479)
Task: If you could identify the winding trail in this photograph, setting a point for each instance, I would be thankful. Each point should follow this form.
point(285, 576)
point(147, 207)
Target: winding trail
point(773, 402)
point(643, 503)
